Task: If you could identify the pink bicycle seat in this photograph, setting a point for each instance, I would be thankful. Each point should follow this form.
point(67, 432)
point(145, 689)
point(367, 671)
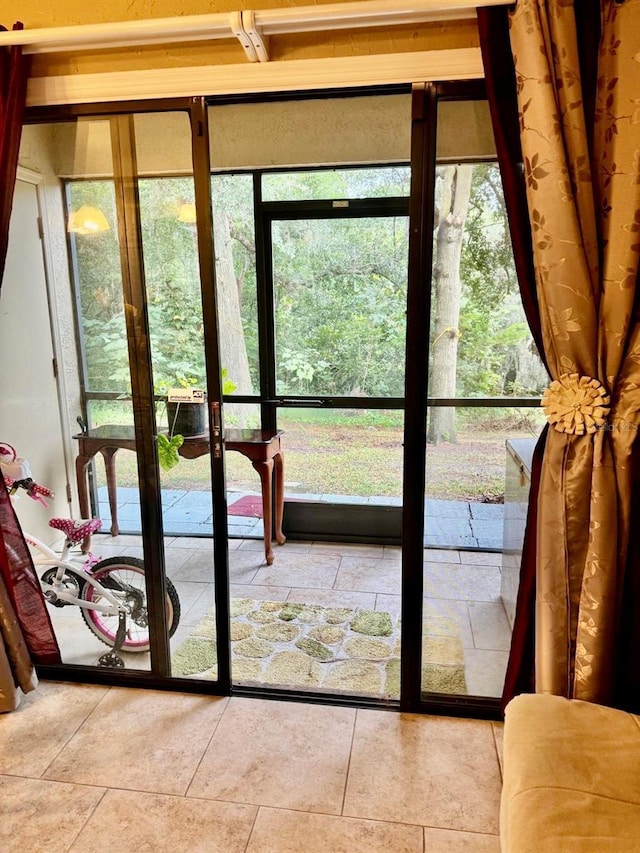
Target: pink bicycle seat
point(76, 529)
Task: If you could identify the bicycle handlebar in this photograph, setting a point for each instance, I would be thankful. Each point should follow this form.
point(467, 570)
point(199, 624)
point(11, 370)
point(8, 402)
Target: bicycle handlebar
point(33, 489)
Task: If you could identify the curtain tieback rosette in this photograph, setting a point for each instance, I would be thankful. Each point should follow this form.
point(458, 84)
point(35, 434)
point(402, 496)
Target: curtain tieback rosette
point(577, 405)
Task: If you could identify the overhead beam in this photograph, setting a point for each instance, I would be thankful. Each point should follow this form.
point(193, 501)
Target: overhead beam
point(334, 73)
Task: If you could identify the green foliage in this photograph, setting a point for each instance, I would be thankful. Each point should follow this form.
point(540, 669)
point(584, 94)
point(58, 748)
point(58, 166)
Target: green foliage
point(339, 288)
point(168, 456)
point(494, 335)
point(340, 302)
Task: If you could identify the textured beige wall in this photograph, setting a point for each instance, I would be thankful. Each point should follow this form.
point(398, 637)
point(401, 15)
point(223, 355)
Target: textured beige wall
point(285, 133)
point(51, 13)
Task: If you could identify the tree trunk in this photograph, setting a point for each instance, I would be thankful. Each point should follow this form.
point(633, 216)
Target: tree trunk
point(447, 293)
point(233, 351)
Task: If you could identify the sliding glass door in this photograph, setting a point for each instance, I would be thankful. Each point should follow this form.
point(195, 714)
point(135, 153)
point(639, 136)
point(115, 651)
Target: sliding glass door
point(299, 355)
point(472, 402)
point(142, 393)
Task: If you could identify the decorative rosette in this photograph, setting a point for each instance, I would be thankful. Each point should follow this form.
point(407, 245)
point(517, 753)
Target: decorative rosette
point(576, 404)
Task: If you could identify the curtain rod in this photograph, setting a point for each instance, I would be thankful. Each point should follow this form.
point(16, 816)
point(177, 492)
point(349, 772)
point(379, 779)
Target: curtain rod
point(249, 27)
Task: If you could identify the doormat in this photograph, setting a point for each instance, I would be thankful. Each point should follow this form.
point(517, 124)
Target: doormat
point(341, 650)
point(250, 506)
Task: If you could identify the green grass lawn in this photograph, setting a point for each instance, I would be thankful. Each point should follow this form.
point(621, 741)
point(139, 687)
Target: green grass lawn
point(360, 453)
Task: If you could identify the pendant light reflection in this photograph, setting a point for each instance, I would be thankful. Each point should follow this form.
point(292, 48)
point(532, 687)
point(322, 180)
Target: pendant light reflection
point(187, 213)
point(87, 220)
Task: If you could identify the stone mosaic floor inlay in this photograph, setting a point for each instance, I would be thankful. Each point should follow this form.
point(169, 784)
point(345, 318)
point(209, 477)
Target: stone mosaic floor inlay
point(327, 648)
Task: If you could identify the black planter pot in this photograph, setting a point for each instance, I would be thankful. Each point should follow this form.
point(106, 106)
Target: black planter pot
point(186, 418)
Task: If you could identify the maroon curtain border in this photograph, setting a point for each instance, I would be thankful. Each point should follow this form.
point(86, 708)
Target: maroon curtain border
point(23, 586)
point(520, 676)
point(14, 73)
point(500, 78)
point(16, 565)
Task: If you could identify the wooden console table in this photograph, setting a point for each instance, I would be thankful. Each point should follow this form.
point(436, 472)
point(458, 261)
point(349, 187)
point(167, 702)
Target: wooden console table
point(262, 447)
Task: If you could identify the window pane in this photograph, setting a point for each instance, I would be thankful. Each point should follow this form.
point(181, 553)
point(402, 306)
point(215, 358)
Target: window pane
point(481, 345)
point(353, 454)
point(172, 280)
point(383, 182)
point(475, 506)
point(99, 284)
point(234, 239)
point(340, 302)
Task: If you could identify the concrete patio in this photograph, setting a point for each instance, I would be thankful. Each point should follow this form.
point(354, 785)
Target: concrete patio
point(448, 524)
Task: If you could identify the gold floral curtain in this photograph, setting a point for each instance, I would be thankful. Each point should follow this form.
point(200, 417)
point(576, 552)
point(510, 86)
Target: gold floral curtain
point(583, 193)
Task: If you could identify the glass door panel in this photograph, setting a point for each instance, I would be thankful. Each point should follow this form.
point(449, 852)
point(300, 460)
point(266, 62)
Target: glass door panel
point(325, 616)
point(474, 514)
point(484, 383)
point(129, 225)
point(168, 223)
point(102, 575)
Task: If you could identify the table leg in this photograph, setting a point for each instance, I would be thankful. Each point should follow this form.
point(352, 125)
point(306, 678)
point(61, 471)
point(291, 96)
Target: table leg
point(83, 494)
point(265, 470)
point(109, 454)
point(278, 476)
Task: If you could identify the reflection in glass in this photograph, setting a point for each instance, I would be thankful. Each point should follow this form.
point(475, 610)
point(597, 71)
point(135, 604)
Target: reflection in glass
point(234, 238)
point(98, 279)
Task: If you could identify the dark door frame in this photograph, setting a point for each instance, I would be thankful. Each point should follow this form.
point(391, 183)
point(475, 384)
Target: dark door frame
point(304, 520)
point(125, 180)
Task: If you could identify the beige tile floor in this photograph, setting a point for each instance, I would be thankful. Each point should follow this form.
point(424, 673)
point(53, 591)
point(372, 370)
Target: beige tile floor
point(89, 769)
point(464, 585)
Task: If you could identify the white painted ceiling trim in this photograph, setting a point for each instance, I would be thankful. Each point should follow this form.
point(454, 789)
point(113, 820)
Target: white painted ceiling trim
point(295, 74)
point(29, 176)
point(242, 24)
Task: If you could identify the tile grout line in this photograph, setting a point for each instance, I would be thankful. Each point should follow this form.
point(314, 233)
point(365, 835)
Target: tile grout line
point(73, 734)
point(87, 819)
point(253, 826)
point(473, 636)
point(346, 778)
point(204, 751)
point(495, 744)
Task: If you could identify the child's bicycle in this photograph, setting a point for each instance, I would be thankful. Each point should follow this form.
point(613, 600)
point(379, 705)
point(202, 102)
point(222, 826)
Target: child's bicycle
point(111, 593)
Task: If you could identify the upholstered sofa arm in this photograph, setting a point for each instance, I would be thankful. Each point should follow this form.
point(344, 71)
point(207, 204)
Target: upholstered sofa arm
point(571, 778)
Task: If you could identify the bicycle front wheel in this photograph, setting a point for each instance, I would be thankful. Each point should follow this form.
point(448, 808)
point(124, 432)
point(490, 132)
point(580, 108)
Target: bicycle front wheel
point(124, 577)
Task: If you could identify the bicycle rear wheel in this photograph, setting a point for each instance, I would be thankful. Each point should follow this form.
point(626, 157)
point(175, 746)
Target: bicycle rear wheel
point(124, 577)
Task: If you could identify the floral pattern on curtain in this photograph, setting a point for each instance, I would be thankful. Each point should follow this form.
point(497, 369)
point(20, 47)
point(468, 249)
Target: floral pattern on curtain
point(26, 633)
point(583, 192)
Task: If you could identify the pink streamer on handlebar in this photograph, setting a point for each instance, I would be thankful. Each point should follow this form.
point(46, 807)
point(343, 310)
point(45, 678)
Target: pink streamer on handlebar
point(35, 491)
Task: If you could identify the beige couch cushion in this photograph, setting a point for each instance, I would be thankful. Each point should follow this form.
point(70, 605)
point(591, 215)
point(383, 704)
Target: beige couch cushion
point(571, 778)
